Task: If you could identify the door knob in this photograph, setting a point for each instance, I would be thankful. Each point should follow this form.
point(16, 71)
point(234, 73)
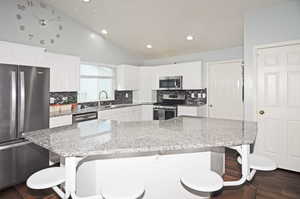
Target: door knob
point(261, 112)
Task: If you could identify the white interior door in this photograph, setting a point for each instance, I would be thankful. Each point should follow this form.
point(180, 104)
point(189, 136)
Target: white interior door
point(225, 89)
point(278, 104)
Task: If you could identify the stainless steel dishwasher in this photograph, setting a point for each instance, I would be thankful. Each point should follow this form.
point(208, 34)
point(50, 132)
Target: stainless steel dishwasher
point(81, 117)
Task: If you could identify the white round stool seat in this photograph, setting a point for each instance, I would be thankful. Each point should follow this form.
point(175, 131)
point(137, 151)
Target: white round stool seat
point(260, 163)
point(205, 181)
point(46, 178)
point(129, 190)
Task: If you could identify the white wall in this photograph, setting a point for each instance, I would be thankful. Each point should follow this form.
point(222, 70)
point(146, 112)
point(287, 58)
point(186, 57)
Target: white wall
point(265, 26)
point(75, 38)
point(217, 55)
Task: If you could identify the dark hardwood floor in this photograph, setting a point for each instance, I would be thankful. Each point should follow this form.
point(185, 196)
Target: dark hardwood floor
point(279, 184)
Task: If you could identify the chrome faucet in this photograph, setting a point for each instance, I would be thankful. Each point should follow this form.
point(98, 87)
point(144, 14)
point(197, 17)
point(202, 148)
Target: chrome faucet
point(105, 92)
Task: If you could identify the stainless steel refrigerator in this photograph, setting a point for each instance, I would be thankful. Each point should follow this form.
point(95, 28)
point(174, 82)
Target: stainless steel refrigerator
point(24, 106)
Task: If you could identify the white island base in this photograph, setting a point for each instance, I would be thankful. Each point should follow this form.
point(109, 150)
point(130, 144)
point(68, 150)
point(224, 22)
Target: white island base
point(160, 174)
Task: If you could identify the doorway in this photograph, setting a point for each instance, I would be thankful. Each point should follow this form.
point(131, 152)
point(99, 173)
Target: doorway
point(225, 89)
point(278, 104)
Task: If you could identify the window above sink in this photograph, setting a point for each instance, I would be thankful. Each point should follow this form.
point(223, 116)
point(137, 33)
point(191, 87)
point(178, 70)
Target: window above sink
point(97, 82)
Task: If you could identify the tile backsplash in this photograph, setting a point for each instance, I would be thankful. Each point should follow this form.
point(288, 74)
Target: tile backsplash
point(63, 98)
point(193, 97)
point(123, 97)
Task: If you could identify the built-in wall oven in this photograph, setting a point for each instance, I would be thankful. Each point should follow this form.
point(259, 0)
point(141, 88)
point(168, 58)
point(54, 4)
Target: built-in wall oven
point(170, 82)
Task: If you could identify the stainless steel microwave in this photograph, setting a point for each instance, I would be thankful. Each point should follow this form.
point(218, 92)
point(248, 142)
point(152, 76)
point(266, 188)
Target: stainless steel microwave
point(170, 82)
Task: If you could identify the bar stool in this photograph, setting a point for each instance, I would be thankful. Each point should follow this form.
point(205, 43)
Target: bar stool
point(259, 163)
point(125, 178)
point(128, 190)
point(204, 182)
point(48, 178)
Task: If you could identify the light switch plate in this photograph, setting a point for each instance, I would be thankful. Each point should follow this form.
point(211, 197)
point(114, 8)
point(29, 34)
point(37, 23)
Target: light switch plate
point(52, 100)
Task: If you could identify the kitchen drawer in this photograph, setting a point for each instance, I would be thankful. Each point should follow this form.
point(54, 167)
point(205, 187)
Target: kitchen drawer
point(60, 121)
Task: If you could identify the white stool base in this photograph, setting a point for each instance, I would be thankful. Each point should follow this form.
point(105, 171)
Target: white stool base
point(58, 191)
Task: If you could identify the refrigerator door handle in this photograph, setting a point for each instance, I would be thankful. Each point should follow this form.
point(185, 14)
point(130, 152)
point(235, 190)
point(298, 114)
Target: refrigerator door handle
point(13, 104)
point(13, 145)
point(22, 101)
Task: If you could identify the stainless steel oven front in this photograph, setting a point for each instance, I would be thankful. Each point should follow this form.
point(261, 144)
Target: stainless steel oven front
point(164, 112)
point(170, 82)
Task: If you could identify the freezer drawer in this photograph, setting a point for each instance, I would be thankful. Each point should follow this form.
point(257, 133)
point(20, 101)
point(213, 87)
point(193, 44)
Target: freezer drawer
point(19, 162)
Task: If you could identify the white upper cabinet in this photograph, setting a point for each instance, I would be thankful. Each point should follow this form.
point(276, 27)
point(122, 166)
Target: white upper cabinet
point(64, 72)
point(192, 75)
point(12, 53)
point(64, 69)
point(191, 72)
point(128, 77)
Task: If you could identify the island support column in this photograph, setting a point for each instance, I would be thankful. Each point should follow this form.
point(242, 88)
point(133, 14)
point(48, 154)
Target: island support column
point(244, 151)
point(70, 168)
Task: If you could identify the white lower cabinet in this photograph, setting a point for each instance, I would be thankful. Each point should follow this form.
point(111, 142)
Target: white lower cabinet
point(192, 111)
point(60, 121)
point(132, 113)
point(147, 112)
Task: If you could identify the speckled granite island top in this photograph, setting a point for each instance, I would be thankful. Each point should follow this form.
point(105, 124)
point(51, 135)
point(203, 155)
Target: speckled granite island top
point(116, 139)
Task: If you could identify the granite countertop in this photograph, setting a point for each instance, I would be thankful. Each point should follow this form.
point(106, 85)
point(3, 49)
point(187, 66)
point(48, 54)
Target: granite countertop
point(113, 139)
point(93, 109)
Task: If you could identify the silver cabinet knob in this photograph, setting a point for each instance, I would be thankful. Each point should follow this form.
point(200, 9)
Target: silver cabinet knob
point(261, 112)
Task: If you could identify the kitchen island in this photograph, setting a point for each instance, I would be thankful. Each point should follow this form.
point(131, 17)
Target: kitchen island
point(188, 143)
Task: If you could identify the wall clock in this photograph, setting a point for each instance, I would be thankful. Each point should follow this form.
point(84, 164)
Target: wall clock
point(38, 21)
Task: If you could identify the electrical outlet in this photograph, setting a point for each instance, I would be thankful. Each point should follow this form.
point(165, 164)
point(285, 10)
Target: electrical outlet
point(199, 95)
point(193, 95)
point(52, 100)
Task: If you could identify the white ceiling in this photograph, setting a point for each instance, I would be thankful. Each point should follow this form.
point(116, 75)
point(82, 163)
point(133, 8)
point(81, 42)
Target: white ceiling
point(132, 24)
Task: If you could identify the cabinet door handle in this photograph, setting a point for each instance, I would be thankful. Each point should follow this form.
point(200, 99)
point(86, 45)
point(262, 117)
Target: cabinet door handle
point(261, 112)
point(210, 105)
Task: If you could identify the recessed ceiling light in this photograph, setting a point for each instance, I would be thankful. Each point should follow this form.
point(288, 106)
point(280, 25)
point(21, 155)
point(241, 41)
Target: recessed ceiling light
point(86, 1)
point(189, 38)
point(93, 36)
point(149, 46)
point(104, 32)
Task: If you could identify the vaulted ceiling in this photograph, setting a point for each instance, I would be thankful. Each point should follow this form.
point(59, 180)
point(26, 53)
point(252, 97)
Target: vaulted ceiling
point(132, 24)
